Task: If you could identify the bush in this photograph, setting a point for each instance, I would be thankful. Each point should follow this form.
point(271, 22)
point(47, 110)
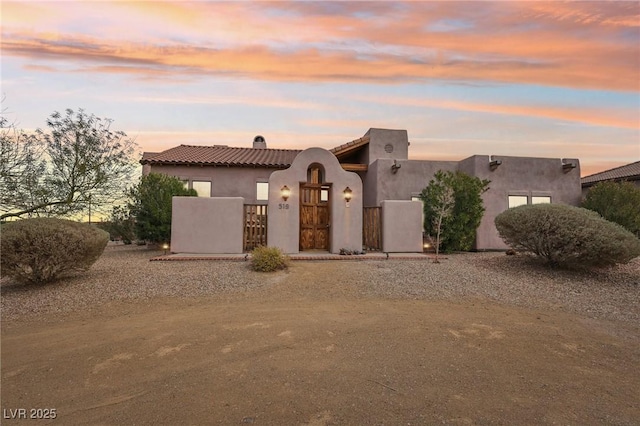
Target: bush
point(151, 205)
point(616, 202)
point(122, 224)
point(459, 224)
point(567, 235)
point(268, 259)
point(43, 249)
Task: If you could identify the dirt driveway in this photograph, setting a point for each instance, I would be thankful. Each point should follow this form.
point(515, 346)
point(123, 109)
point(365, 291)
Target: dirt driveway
point(284, 355)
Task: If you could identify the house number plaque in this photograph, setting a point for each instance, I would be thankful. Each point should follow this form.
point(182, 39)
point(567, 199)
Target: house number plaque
point(283, 206)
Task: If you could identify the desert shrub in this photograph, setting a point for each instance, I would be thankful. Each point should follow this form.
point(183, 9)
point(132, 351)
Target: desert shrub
point(42, 249)
point(567, 235)
point(617, 202)
point(268, 259)
point(122, 224)
point(151, 205)
point(457, 223)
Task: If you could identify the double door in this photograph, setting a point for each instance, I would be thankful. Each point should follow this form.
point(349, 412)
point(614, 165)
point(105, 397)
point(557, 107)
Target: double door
point(315, 216)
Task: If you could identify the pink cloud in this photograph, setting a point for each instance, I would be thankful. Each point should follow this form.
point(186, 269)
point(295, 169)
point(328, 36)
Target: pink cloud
point(571, 45)
point(593, 116)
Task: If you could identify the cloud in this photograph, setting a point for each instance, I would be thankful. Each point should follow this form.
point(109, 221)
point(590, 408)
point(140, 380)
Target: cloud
point(586, 13)
point(611, 117)
point(314, 65)
point(578, 45)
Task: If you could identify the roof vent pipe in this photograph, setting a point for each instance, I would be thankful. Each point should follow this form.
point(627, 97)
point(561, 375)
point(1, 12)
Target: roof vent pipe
point(259, 142)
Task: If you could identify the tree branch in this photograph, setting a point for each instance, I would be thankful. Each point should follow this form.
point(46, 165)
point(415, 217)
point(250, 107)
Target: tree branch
point(33, 208)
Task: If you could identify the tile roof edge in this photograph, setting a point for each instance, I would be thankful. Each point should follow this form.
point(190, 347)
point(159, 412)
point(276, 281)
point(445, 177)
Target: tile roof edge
point(610, 170)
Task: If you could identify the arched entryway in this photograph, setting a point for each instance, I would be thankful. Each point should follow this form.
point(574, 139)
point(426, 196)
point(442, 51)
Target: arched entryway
point(315, 184)
point(315, 210)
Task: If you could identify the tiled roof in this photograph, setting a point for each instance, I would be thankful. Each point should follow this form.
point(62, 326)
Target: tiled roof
point(349, 146)
point(146, 155)
point(223, 156)
point(628, 171)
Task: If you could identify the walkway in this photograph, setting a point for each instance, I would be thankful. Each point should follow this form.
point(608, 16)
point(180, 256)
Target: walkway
point(299, 256)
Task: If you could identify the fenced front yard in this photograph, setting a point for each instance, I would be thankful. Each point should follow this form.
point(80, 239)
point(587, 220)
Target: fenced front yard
point(255, 227)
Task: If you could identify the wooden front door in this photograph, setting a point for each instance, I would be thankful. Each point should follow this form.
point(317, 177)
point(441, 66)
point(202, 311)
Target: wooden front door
point(315, 217)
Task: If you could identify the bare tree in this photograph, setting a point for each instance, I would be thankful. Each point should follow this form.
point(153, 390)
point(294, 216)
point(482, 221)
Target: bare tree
point(443, 207)
point(21, 167)
point(78, 162)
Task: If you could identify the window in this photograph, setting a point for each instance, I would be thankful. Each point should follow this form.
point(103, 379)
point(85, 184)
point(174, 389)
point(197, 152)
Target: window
point(203, 188)
point(540, 200)
point(324, 194)
point(262, 191)
point(517, 200)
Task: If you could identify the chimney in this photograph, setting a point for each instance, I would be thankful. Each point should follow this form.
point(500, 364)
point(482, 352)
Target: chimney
point(259, 142)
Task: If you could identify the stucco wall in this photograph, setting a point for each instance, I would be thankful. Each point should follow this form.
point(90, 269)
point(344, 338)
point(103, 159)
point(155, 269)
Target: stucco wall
point(519, 176)
point(515, 176)
point(207, 225)
point(410, 179)
point(225, 181)
point(401, 226)
point(284, 216)
point(380, 138)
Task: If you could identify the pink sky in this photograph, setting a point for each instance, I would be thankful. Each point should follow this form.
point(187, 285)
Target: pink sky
point(542, 79)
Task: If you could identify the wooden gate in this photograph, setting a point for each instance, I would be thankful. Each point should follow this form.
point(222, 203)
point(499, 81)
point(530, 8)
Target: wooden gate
point(372, 228)
point(255, 226)
point(314, 216)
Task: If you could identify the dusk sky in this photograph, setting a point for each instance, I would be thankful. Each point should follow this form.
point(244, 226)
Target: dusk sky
point(541, 79)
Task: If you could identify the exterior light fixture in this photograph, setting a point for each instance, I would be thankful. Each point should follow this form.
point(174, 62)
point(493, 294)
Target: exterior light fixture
point(285, 192)
point(165, 247)
point(348, 194)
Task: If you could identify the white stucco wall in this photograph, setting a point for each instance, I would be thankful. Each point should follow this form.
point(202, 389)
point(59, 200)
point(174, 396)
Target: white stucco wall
point(207, 225)
point(401, 226)
point(284, 216)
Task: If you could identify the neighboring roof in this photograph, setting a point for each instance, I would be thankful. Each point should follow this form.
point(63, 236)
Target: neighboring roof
point(627, 172)
point(219, 155)
point(146, 155)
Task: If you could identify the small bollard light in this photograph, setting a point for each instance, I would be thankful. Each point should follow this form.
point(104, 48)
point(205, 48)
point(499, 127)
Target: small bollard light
point(165, 247)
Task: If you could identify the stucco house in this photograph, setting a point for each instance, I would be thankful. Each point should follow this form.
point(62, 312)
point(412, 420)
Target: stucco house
point(627, 173)
point(359, 194)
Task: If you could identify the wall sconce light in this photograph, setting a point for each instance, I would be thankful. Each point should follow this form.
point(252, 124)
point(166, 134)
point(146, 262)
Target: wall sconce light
point(348, 194)
point(567, 167)
point(395, 166)
point(285, 192)
point(494, 164)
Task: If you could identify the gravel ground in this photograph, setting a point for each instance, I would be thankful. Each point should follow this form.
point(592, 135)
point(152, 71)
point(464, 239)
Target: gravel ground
point(125, 273)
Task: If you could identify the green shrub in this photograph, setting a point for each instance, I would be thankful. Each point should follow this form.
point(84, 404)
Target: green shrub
point(567, 235)
point(43, 249)
point(268, 259)
point(458, 226)
point(617, 202)
point(122, 224)
point(152, 203)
